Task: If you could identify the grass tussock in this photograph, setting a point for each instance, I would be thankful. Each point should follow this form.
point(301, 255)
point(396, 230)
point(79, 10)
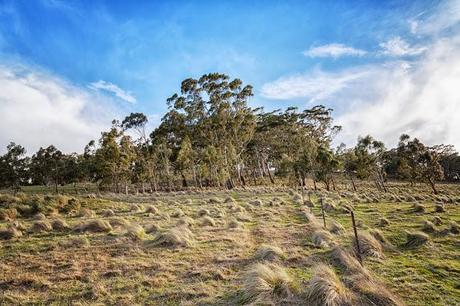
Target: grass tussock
point(266, 284)
point(269, 253)
point(369, 246)
point(234, 223)
point(429, 227)
point(108, 213)
point(177, 213)
point(9, 233)
point(325, 288)
point(383, 222)
point(454, 228)
point(373, 293)
point(152, 228)
point(416, 239)
point(59, 225)
point(187, 221)
point(40, 227)
point(336, 228)
point(418, 208)
point(179, 236)
point(94, 226)
point(118, 223)
point(136, 232)
point(203, 212)
point(439, 208)
point(79, 242)
point(345, 261)
point(321, 238)
point(86, 213)
point(150, 209)
point(207, 221)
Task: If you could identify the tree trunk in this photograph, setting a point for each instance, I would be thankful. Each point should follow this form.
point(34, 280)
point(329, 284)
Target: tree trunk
point(314, 184)
point(184, 180)
point(353, 183)
point(269, 174)
point(433, 186)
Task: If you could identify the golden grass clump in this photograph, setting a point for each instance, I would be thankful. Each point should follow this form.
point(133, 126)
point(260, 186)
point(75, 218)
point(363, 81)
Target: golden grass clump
point(118, 223)
point(177, 213)
point(266, 284)
point(308, 203)
point(94, 226)
point(152, 228)
point(108, 213)
point(8, 214)
point(10, 233)
point(59, 225)
point(150, 209)
point(79, 242)
point(429, 227)
point(321, 238)
point(39, 216)
point(40, 226)
point(416, 239)
point(439, 208)
point(187, 221)
point(229, 200)
point(208, 221)
point(325, 288)
point(454, 227)
point(437, 220)
point(214, 200)
point(234, 223)
point(345, 261)
point(256, 202)
point(383, 222)
point(269, 253)
point(135, 231)
point(174, 237)
point(373, 292)
point(135, 208)
point(336, 228)
point(418, 208)
point(86, 213)
point(203, 212)
point(369, 246)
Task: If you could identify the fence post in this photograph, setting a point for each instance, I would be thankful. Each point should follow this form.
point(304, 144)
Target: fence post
point(358, 251)
point(322, 212)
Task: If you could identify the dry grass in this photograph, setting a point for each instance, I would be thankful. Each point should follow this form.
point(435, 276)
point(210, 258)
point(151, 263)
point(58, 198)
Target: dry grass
point(269, 253)
point(369, 246)
point(9, 233)
point(325, 288)
point(321, 238)
point(416, 239)
point(265, 284)
point(40, 226)
point(94, 226)
point(179, 236)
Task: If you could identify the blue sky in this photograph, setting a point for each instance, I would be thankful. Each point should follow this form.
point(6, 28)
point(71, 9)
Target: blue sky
point(88, 61)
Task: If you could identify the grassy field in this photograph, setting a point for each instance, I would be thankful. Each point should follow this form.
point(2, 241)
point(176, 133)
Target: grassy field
point(256, 246)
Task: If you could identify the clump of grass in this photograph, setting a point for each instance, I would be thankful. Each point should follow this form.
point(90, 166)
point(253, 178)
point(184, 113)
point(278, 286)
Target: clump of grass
point(214, 200)
point(40, 226)
point(229, 200)
point(429, 227)
point(152, 228)
point(386, 244)
point(439, 208)
point(203, 212)
point(266, 284)
point(321, 238)
point(86, 213)
point(308, 203)
point(39, 216)
point(454, 227)
point(234, 223)
point(373, 292)
point(8, 214)
point(325, 288)
point(177, 213)
point(150, 209)
point(59, 225)
point(108, 213)
point(383, 222)
point(187, 221)
point(94, 226)
point(269, 253)
point(418, 208)
point(10, 233)
point(134, 208)
point(416, 239)
point(337, 228)
point(135, 231)
point(256, 202)
point(118, 222)
point(437, 220)
point(174, 237)
point(208, 221)
point(80, 242)
point(369, 246)
point(345, 260)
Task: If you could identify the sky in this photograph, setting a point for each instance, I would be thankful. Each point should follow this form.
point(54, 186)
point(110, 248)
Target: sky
point(67, 68)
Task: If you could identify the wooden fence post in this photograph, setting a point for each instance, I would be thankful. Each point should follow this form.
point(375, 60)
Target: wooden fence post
point(358, 248)
point(322, 211)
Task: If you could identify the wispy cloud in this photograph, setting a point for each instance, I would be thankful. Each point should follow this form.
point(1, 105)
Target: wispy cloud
point(444, 16)
point(334, 51)
point(314, 86)
point(38, 109)
point(114, 89)
point(399, 47)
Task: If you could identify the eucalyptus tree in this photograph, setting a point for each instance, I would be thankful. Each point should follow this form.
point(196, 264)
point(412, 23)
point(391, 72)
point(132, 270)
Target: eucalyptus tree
point(369, 161)
point(47, 167)
point(212, 111)
point(13, 167)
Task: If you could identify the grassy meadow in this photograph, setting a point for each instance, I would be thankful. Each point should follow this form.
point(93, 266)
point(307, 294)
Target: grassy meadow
point(258, 246)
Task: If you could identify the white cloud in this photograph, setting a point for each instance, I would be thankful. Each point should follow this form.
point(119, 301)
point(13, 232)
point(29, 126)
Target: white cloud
point(117, 91)
point(399, 47)
point(444, 16)
point(333, 50)
point(316, 85)
point(38, 109)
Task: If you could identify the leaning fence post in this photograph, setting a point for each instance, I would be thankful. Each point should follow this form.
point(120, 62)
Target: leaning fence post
point(322, 212)
point(358, 248)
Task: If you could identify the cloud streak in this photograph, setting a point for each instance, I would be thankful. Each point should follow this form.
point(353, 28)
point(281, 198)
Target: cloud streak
point(38, 109)
point(399, 47)
point(114, 89)
point(333, 50)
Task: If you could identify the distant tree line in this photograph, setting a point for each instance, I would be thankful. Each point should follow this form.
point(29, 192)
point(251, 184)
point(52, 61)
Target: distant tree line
point(210, 137)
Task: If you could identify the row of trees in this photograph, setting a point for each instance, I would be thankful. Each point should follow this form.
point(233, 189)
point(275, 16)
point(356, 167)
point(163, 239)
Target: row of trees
point(211, 137)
